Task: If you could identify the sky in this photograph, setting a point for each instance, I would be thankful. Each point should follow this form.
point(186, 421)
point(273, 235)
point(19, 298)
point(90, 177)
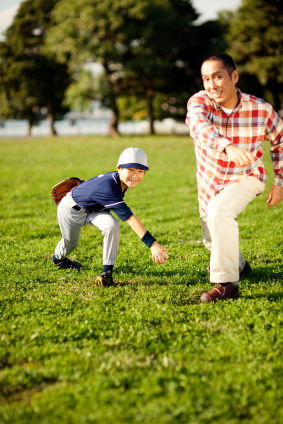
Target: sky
point(207, 8)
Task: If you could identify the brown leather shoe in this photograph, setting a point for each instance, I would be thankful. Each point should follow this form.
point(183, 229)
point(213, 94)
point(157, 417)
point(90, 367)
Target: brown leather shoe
point(221, 291)
point(247, 269)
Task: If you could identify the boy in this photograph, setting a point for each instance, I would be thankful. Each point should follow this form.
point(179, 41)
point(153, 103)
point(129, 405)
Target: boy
point(91, 202)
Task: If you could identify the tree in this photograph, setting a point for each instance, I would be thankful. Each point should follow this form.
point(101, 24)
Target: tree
point(255, 37)
point(146, 48)
point(29, 79)
point(159, 57)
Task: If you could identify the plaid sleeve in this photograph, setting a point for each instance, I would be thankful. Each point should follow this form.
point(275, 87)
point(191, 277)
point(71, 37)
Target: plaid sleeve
point(274, 133)
point(200, 126)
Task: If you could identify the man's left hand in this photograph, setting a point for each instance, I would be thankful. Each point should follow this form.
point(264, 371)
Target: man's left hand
point(275, 195)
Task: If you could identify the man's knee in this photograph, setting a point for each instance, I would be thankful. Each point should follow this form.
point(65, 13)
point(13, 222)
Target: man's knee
point(214, 212)
point(217, 213)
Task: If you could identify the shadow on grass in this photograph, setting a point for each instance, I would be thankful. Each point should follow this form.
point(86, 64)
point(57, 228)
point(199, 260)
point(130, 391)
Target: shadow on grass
point(191, 296)
point(186, 277)
point(271, 297)
point(264, 274)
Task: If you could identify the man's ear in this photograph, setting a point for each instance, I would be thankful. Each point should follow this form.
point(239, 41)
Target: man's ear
point(235, 76)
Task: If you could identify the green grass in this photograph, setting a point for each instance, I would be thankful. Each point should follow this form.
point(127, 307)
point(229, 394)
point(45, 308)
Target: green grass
point(145, 350)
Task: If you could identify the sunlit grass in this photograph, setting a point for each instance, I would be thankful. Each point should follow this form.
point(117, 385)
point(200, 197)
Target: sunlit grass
point(145, 350)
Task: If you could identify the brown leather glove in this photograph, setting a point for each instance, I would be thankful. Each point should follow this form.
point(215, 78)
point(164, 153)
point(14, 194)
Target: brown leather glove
point(61, 189)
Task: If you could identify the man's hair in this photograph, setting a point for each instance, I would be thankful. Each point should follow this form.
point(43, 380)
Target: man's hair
point(227, 61)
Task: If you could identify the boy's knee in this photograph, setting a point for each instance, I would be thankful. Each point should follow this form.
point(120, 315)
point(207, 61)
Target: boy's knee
point(112, 227)
point(116, 227)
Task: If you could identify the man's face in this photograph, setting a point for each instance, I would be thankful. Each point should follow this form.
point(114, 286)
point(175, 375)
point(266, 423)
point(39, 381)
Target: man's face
point(219, 84)
point(130, 177)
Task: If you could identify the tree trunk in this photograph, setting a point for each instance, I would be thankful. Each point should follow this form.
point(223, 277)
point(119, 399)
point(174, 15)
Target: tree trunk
point(150, 95)
point(30, 123)
point(113, 124)
point(50, 117)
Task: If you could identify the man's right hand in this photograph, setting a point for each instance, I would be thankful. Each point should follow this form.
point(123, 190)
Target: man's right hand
point(241, 157)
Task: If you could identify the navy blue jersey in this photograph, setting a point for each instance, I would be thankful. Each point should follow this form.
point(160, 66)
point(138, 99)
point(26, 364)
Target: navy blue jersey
point(103, 193)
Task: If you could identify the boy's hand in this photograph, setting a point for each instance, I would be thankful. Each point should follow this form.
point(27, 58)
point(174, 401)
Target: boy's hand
point(159, 253)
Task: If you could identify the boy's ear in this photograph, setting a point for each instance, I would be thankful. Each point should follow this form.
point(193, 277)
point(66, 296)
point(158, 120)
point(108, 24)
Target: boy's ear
point(118, 167)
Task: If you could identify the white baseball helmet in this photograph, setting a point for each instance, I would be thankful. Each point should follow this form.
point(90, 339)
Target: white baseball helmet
point(133, 157)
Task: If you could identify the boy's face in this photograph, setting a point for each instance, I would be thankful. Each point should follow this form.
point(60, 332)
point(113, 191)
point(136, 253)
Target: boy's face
point(130, 177)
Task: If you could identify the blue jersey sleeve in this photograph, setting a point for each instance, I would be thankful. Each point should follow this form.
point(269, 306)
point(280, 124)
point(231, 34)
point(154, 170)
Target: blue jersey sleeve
point(103, 193)
point(122, 211)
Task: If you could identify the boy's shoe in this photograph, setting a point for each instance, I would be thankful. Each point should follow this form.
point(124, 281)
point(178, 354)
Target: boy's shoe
point(221, 292)
point(247, 268)
point(104, 280)
point(67, 263)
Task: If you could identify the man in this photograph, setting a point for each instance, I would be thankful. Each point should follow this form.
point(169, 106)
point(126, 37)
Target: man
point(228, 128)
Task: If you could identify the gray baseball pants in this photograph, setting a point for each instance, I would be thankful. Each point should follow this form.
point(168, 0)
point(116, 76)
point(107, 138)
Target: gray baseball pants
point(220, 228)
point(71, 221)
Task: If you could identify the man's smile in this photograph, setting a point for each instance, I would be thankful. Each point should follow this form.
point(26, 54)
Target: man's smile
point(217, 93)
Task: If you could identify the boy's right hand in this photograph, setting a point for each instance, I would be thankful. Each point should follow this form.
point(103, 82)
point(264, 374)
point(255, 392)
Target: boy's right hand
point(159, 253)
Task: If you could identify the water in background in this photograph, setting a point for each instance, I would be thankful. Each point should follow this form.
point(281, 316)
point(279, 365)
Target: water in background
point(89, 126)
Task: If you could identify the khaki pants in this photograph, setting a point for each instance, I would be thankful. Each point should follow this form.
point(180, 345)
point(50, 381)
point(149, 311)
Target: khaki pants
point(220, 228)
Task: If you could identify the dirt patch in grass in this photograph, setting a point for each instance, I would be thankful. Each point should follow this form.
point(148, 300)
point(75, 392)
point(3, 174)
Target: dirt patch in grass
point(19, 394)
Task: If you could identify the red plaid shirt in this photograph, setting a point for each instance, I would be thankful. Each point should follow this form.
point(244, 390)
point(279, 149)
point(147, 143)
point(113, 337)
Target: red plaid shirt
point(251, 122)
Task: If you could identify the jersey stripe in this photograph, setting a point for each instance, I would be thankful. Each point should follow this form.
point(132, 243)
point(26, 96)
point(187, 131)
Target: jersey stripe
point(113, 204)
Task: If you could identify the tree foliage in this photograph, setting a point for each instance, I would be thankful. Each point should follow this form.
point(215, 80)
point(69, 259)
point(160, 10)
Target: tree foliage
point(147, 48)
point(30, 79)
point(255, 37)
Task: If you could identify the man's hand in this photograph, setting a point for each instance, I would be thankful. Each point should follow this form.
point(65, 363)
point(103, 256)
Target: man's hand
point(241, 157)
point(275, 195)
point(159, 253)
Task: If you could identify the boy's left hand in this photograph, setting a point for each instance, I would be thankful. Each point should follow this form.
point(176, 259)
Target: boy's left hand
point(159, 253)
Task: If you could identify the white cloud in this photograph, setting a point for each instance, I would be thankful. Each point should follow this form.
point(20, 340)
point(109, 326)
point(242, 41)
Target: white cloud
point(6, 18)
point(208, 9)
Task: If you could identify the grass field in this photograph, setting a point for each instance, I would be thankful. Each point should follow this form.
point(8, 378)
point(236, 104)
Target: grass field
point(145, 350)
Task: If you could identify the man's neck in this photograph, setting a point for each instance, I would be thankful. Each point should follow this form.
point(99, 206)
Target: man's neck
point(233, 103)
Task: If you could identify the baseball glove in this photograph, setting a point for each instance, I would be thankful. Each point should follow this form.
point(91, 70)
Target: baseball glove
point(61, 189)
